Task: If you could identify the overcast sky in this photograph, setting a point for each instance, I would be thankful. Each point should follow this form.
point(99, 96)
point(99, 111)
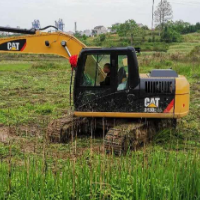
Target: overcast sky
point(89, 13)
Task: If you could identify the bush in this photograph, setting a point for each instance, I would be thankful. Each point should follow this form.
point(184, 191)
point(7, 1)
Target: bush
point(167, 63)
point(97, 42)
point(160, 47)
point(175, 56)
point(102, 37)
point(195, 51)
point(169, 35)
point(84, 37)
point(194, 55)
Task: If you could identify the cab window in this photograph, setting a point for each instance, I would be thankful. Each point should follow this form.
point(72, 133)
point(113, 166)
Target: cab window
point(122, 72)
point(94, 74)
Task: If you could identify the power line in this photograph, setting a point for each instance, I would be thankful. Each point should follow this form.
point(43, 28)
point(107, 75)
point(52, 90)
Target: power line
point(185, 2)
point(189, 1)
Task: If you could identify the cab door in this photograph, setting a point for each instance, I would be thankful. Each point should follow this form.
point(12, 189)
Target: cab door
point(126, 97)
point(121, 95)
point(90, 94)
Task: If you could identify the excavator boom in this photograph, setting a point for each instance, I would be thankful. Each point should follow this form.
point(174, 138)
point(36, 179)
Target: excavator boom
point(38, 42)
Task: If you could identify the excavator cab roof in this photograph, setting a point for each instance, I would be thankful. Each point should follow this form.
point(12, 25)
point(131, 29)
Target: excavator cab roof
point(111, 49)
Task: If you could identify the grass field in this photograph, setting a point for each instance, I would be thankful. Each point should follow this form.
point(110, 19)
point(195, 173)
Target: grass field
point(189, 42)
point(33, 93)
point(113, 40)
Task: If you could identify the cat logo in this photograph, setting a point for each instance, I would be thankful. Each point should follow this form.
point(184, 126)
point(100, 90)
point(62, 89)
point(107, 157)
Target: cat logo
point(151, 104)
point(13, 46)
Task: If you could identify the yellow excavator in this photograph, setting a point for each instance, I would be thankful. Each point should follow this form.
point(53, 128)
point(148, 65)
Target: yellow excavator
point(129, 110)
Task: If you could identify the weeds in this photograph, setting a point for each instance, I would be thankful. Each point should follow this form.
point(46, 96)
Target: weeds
point(151, 175)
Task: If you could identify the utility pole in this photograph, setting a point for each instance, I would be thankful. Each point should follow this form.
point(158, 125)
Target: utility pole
point(75, 24)
point(161, 12)
point(152, 15)
point(152, 25)
point(161, 18)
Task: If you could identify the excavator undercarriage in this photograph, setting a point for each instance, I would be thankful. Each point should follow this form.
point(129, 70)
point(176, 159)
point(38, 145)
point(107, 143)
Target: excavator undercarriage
point(119, 135)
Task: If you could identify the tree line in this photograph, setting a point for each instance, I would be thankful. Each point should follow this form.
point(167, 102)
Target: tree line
point(166, 30)
point(169, 31)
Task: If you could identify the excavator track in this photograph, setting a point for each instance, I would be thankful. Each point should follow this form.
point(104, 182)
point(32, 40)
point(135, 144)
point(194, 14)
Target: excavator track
point(114, 141)
point(63, 129)
point(127, 136)
point(122, 135)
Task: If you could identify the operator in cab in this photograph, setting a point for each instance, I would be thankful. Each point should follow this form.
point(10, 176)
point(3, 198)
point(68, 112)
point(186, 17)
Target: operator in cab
point(107, 70)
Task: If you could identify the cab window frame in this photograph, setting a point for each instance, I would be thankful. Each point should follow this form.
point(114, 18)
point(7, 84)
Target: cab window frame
point(82, 68)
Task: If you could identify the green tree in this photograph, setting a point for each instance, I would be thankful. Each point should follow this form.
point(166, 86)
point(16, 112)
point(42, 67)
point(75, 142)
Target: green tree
point(102, 37)
point(145, 28)
point(181, 26)
point(128, 28)
point(169, 35)
point(198, 26)
point(115, 27)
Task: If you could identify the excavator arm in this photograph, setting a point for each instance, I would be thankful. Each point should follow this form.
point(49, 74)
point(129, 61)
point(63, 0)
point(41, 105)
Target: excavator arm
point(38, 42)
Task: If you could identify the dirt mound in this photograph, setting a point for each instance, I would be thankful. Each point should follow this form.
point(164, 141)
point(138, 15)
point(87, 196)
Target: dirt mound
point(4, 134)
point(10, 132)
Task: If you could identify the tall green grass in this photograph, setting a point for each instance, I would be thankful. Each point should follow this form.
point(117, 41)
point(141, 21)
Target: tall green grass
point(156, 174)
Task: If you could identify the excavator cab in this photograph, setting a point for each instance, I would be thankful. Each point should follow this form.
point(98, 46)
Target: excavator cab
point(159, 94)
point(92, 96)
